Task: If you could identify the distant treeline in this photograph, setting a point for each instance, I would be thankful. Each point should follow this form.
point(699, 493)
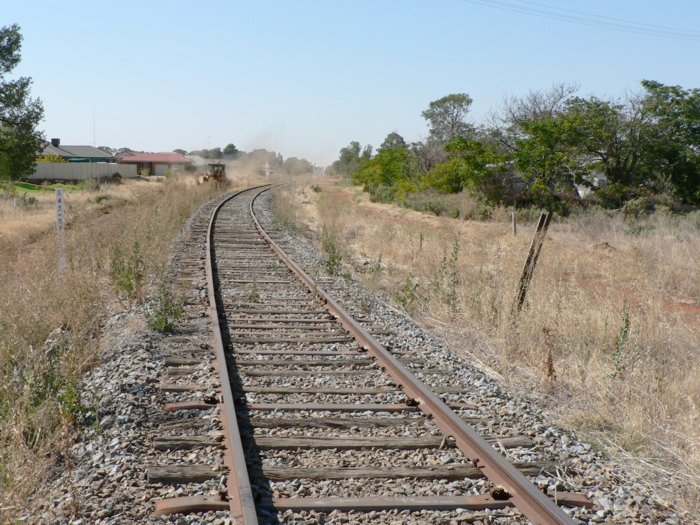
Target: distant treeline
point(546, 149)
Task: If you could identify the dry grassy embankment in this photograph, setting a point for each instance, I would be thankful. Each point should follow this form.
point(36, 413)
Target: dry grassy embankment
point(615, 302)
point(49, 321)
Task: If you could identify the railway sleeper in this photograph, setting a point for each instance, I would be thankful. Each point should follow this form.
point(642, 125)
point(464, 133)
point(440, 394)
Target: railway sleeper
point(206, 503)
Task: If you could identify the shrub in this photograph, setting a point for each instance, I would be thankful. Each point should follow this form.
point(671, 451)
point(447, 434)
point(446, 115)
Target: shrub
point(128, 270)
point(89, 185)
point(167, 310)
point(384, 194)
point(25, 201)
point(330, 242)
point(407, 294)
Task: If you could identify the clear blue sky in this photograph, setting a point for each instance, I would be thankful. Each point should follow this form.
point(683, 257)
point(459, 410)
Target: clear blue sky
point(305, 77)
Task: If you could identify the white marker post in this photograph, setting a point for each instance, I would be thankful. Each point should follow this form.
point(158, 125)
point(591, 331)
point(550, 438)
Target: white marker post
point(61, 227)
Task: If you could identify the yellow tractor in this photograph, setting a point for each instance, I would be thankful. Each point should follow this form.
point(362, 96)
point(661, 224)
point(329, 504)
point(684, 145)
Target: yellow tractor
point(216, 171)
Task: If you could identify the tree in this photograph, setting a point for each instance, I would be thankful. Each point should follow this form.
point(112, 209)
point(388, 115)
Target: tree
point(472, 165)
point(389, 175)
point(671, 157)
point(296, 166)
point(51, 158)
point(428, 155)
point(551, 161)
point(19, 114)
point(351, 159)
point(536, 106)
point(446, 116)
point(177, 150)
point(231, 151)
point(393, 141)
point(611, 135)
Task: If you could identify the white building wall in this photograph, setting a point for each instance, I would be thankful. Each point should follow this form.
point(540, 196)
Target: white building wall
point(81, 171)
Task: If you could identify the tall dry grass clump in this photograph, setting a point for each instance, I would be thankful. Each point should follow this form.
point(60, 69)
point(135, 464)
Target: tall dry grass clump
point(609, 335)
point(49, 321)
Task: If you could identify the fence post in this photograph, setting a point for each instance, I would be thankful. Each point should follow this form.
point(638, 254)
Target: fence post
point(531, 261)
point(515, 226)
point(61, 228)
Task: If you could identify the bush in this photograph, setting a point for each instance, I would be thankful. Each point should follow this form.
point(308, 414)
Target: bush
point(25, 201)
point(453, 205)
point(383, 194)
point(89, 185)
point(330, 242)
point(613, 196)
point(436, 204)
point(128, 270)
point(102, 198)
point(167, 310)
point(638, 206)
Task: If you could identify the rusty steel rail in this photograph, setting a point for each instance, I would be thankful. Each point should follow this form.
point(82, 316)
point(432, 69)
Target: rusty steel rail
point(519, 491)
point(239, 498)
point(240, 493)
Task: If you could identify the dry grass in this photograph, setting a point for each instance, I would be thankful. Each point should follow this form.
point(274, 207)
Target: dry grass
point(614, 302)
point(49, 321)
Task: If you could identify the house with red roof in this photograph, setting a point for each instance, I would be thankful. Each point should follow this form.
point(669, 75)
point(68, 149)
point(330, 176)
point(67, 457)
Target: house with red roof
point(154, 163)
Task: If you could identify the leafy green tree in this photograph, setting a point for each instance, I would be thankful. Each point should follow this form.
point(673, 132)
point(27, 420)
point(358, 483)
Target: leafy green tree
point(446, 117)
point(472, 165)
point(296, 166)
point(351, 159)
point(393, 141)
point(650, 144)
point(19, 114)
point(550, 154)
point(231, 150)
point(177, 150)
point(389, 175)
point(671, 157)
point(611, 135)
point(51, 158)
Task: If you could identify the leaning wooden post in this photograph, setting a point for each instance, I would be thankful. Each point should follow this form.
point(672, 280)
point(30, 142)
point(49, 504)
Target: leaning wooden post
point(533, 254)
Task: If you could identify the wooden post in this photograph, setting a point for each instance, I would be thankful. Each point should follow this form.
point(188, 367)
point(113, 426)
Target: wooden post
point(531, 261)
point(515, 225)
point(61, 228)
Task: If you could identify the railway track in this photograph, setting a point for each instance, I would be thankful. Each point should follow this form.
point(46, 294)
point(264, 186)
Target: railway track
point(319, 416)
